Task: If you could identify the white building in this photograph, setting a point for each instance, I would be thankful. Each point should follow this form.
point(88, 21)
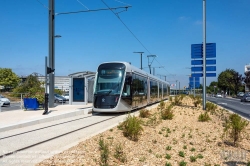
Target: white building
point(61, 82)
point(247, 68)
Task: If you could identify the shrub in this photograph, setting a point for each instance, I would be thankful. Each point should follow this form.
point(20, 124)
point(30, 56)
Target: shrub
point(104, 151)
point(234, 127)
point(211, 107)
point(204, 117)
point(144, 113)
point(181, 153)
point(170, 98)
point(161, 106)
point(153, 120)
point(132, 127)
point(182, 163)
point(196, 100)
point(168, 156)
point(178, 99)
point(193, 158)
point(167, 113)
point(168, 148)
point(119, 153)
point(199, 156)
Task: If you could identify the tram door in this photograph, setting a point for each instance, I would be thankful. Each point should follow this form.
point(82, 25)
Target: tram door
point(78, 89)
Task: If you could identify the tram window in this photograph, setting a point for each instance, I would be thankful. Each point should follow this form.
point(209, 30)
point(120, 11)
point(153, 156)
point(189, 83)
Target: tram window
point(126, 88)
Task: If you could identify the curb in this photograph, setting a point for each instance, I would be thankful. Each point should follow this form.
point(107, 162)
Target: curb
point(47, 119)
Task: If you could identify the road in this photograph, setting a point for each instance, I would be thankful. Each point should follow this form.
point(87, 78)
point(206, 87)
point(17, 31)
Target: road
point(233, 104)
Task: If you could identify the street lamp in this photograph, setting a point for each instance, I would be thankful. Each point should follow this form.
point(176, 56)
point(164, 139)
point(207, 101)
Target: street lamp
point(141, 57)
point(150, 63)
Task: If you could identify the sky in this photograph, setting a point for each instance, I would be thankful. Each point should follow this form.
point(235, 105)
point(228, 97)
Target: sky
point(165, 28)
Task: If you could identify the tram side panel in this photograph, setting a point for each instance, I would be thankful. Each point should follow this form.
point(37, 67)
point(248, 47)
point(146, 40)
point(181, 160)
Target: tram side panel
point(139, 91)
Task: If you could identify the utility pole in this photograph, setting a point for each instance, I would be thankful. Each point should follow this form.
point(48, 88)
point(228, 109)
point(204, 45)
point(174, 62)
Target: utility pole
point(204, 55)
point(51, 52)
point(194, 86)
point(176, 88)
point(150, 63)
point(141, 57)
point(52, 42)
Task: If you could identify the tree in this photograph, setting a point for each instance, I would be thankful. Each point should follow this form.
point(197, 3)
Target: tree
point(230, 80)
point(32, 87)
point(213, 87)
point(236, 81)
point(8, 79)
point(247, 79)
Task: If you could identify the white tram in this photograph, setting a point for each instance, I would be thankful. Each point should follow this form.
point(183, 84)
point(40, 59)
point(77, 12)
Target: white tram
point(121, 87)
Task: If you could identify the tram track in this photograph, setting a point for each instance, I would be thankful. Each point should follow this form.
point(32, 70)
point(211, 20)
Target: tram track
point(43, 128)
point(10, 152)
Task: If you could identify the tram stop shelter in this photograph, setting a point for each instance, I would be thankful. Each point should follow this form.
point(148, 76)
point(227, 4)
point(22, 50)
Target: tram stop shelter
point(81, 88)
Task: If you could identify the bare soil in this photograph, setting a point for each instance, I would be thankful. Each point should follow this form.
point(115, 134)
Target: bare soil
point(163, 141)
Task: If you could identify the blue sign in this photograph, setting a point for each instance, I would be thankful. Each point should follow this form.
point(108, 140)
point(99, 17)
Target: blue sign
point(192, 82)
point(200, 62)
point(208, 68)
point(201, 75)
point(197, 50)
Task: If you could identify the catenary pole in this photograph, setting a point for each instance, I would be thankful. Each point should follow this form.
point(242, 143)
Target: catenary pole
point(51, 52)
point(204, 55)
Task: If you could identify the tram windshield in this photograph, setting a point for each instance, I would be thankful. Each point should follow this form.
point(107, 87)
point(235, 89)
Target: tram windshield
point(109, 81)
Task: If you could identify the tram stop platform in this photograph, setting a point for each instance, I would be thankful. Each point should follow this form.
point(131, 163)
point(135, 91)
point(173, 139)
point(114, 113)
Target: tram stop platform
point(21, 118)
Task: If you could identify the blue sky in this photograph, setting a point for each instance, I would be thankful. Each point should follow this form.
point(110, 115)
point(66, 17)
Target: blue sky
point(165, 28)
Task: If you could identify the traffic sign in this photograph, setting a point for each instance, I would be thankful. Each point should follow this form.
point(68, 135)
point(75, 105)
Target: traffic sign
point(200, 62)
point(197, 50)
point(208, 68)
point(201, 74)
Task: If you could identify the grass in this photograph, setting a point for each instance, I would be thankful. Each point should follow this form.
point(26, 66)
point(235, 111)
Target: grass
point(181, 153)
point(104, 152)
point(204, 117)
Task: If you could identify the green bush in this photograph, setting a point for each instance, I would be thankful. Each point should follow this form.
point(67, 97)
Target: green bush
point(192, 158)
point(181, 153)
point(168, 156)
point(234, 127)
point(204, 117)
point(167, 113)
point(182, 163)
point(132, 127)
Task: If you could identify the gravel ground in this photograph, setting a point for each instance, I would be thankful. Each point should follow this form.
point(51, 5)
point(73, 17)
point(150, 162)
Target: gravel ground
point(181, 140)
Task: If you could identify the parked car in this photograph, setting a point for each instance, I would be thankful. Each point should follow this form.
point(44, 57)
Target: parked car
point(218, 95)
point(66, 96)
point(59, 99)
point(245, 97)
point(240, 94)
point(4, 101)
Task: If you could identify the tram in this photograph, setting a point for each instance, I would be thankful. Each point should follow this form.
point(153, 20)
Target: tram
point(121, 87)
